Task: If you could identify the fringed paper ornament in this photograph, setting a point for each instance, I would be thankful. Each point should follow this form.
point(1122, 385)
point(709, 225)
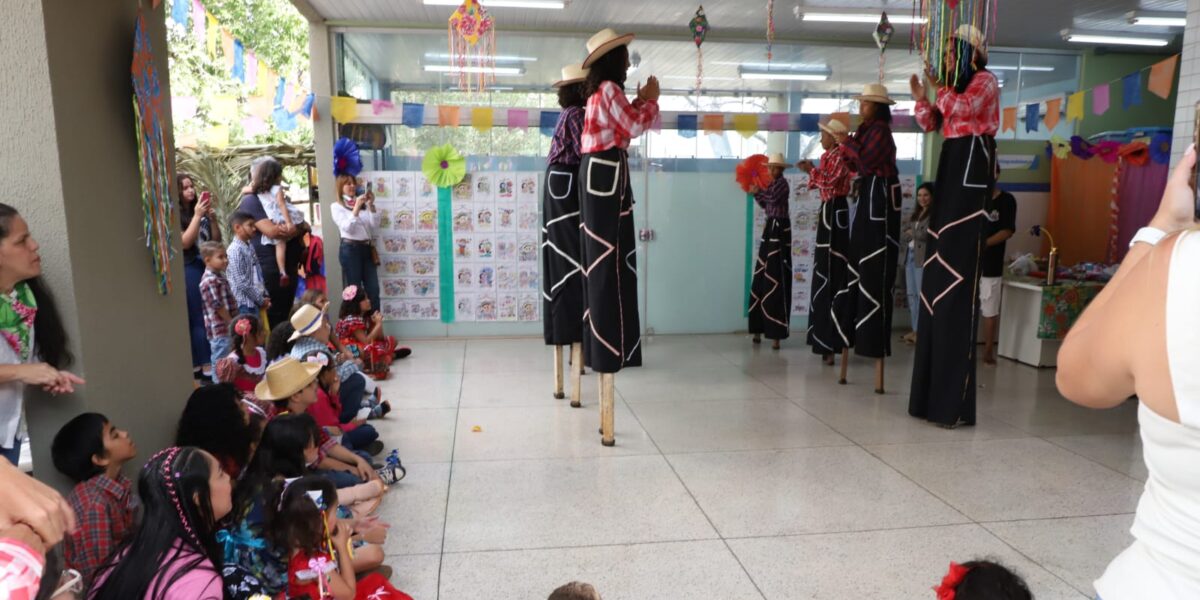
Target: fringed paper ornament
point(699, 27)
point(770, 27)
point(883, 35)
point(473, 46)
point(940, 21)
point(158, 217)
point(753, 172)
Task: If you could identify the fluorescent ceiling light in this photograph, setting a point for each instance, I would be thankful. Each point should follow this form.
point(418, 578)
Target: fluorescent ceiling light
point(489, 89)
point(785, 75)
point(553, 4)
point(1111, 39)
point(499, 59)
point(1037, 68)
point(1154, 19)
point(484, 70)
point(872, 18)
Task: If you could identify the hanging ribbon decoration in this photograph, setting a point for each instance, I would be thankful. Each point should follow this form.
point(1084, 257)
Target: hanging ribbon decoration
point(469, 24)
point(883, 35)
point(940, 21)
point(699, 27)
point(770, 27)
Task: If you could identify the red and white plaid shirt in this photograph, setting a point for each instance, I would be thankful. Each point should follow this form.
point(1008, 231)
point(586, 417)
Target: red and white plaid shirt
point(612, 122)
point(104, 509)
point(833, 176)
point(976, 111)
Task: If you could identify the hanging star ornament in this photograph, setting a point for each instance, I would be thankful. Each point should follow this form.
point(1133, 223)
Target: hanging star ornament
point(699, 27)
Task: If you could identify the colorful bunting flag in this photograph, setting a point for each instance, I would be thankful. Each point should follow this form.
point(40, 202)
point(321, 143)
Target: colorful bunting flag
point(379, 107)
point(746, 125)
point(482, 118)
point(280, 86)
point(217, 136)
point(547, 122)
point(777, 122)
point(284, 120)
point(179, 12)
point(412, 115)
point(810, 123)
point(714, 124)
point(254, 126)
point(1100, 99)
point(1008, 119)
point(1162, 77)
point(1131, 92)
point(227, 48)
point(1075, 106)
point(259, 106)
point(238, 71)
point(344, 110)
point(184, 107)
point(1036, 163)
point(223, 108)
point(686, 126)
point(449, 116)
point(307, 108)
point(1053, 112)
point(266, 78)
point(198, 21)
point(1031, 116)
point(251, 63)
point(211, 34)
point(518, 118)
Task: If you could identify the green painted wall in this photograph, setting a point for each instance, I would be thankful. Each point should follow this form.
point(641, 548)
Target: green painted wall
point(1100, 68)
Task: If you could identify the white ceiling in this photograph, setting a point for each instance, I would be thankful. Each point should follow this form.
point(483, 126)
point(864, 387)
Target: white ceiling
point(1023, 23)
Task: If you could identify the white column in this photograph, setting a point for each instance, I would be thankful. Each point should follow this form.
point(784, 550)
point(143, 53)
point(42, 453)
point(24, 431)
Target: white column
point(1189, 83)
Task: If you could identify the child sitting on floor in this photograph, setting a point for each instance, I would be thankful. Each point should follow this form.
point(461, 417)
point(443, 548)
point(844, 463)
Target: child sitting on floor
point(268, 186)
point(982, 580)
point(312, 336)
point(356, 433)
point(376, 349)
point(321, 566)
point(244, 367)
point(91, 451)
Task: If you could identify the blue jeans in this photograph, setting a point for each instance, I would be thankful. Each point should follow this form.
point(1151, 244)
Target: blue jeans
point(12, 454)
point(351, 396)
point(221, 347)
point(912, 274)
point(248, 310)
point(358, 269)
point(340, 479)
point(360, 437)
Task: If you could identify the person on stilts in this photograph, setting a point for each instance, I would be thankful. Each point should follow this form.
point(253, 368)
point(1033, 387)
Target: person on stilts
point(771, 286)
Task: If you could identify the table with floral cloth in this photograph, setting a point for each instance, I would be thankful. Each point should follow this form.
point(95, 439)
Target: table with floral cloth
point(1062, 303)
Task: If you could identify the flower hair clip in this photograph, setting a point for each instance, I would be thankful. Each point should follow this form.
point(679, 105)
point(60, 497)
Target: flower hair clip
point(949, 586)
point(349, 293)
point(318, 358)
point(242, 327)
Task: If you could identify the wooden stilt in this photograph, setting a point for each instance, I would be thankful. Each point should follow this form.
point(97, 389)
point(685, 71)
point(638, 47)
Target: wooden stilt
point(607, 401)
point(879, 376)
point(558, 373)
point(577, 375)
point(845, 365)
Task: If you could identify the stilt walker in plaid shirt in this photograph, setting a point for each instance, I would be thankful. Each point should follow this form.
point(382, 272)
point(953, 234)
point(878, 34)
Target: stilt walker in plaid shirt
point(875, 237)
point(771, 286)
point(831, 312)
point(612, 329)
point(562, 282)
point(967, 110)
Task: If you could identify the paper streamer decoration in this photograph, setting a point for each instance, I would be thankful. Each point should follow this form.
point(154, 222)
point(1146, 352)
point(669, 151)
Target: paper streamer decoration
point(547, 122)
point(211, 34)
point(449, 116)
point(1162, 77)
point(379, 107)
point(940, 20)
point(770, 27)
point(1053, 112)
point(746, 125)
point(1075, 106)
point(279, 90)
point(179, 12)
point(157, 209)
point(346, 158)
point(714, 124)
point(518, 118)
point(482, 118)
point(468, 26)
point(266, 78)
point(199, 23)
point(216, 136)
point(777, 122)
point(259, 106)
point(1031, 116)
point(412, 115)
point(238, 71)
point(1131, 94)
point(1100, 99)
point(343, 110)
point(1008, 119)
point(686, 125)
point(753, 172)
point(445, 254)
point(307, 108)
point(699, 27)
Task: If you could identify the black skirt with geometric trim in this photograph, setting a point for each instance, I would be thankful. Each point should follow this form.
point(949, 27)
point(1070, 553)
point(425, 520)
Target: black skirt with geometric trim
point(771, 286)
point(562, 276)
point(826, 333)
point(876, 247)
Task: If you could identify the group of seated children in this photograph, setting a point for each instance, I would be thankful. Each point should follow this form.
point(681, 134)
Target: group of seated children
point(270, 491)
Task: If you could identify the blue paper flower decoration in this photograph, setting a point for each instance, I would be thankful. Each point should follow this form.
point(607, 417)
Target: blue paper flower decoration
point(346, 160)
point(1160, 148)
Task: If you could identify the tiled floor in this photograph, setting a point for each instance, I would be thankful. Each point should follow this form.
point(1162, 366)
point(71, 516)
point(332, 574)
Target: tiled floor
point(740, 472)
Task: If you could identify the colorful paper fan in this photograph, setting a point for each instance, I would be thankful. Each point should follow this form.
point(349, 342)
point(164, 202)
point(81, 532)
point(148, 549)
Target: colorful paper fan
point(443, 166)
point(346, 160)
point(753, 172)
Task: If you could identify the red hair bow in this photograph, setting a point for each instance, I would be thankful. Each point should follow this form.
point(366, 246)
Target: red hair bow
point(949, 586)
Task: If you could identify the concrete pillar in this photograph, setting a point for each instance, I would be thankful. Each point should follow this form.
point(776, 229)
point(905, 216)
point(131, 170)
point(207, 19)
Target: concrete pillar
point(1189, 84)
point(320, 50)
point(70, 166)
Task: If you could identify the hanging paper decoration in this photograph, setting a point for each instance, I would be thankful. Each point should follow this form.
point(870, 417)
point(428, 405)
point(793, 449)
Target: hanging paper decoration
point(412, 115)
point(770, 27)
point(753, 172)
point(1031, 116)
point(1131, 93)
point(883, 35)
point(1075, 106)
point(940, 21)
point(346, 160)
point(518, 118)
point(1060, 147)
point(469, 25)
point(443, 166)
point(699, 27)
point(1100, 99)
point(157, 208)
point(746, 124)
point(1162, 77)
point(686, 125)
point(1160, 148)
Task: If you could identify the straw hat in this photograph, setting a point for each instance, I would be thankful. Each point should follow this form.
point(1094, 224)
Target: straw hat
point(306, 321)
point(834, 127)
point(875, 92)
point(285, 378)
point(571, 74)
point(971, 35)
point(777, 160)
point(602, 42)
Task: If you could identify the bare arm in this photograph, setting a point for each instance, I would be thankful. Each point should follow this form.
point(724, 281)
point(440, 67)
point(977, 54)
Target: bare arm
point(999, 237)
point(275, 232)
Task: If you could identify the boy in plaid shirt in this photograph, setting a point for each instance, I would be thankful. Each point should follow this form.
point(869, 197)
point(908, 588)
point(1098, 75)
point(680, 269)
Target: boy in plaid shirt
point(219, 303)
point(91, 451)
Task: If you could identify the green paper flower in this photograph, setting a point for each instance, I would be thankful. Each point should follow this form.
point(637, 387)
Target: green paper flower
point(444, 166)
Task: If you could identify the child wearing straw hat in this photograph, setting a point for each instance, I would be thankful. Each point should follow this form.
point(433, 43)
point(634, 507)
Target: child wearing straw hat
point(771, 286)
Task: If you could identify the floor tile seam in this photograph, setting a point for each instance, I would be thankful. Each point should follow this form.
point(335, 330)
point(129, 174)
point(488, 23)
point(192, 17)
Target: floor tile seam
point(1002, 438)
point(698, 400)
point(1043, 567)
point(583, 546)
point(450, 476)
point(550, 458)
point(1090, 459)
point(845, 444)
point(735, 538)
point(1058, 518)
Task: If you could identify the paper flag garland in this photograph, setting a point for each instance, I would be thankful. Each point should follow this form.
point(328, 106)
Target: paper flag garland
point(777, 122)
point(746, 125)
point(686, 126)
point(443, 166)
point(284, 120)
point(1131, 93)
point(343, 110)
point(714, 124)
point(449, 116)
point(699, 27)
point(547, 122)
point(1100, 99)
point(482, 118)
point(251, 62)
point(199, 23)
point(412, 115)
point(1008, 119)
point(1053, 112)
point(223, 108)
point(811, 123)
point(379, 107)
point(238, 71)
point(518, 118)
point(227, 48)
point(1162, 77)
point(179, 12)
point(211, 34)
point(1031, 117)
point(1075, 106)
point(468, 25)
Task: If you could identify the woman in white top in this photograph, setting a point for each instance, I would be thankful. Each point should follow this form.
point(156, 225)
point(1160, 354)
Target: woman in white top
point(1141, 336)
point(33, 344)
point(357, 223)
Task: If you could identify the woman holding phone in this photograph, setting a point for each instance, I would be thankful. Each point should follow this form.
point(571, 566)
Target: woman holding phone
point(357, 221)
point(199, 225)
